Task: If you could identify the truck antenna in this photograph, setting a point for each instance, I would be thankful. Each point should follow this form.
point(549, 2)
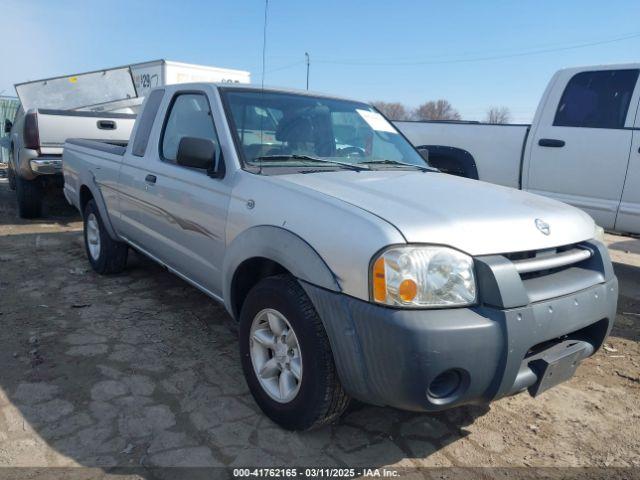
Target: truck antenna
point(306, 54)
point(264, 54)
point(264, 39)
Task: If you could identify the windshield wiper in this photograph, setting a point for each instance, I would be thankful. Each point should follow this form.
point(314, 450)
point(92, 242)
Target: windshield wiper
point(395, 162)
point(307, 158)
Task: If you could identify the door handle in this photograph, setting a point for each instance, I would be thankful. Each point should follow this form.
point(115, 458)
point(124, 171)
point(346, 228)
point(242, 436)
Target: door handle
point(550, 142)
point(150, 179)
point(106, 125)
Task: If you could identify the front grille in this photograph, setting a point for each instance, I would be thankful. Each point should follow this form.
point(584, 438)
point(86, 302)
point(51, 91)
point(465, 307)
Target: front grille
point(538, 263)
point(504, 280)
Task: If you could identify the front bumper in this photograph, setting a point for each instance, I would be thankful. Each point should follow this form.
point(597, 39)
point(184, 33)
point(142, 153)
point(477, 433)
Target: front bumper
point(388, 356)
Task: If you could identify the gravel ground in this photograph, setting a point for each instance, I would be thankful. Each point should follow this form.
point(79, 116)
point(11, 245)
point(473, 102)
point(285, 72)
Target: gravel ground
point(142, 369)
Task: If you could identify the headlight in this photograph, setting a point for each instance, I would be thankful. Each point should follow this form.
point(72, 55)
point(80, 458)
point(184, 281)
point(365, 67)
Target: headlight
point(423, 276)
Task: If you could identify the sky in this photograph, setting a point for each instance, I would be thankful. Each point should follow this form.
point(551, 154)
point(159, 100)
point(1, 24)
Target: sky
point(475, 54)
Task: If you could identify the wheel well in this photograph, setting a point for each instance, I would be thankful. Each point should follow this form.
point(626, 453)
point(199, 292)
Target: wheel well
point(247, 275)
point(85, 196)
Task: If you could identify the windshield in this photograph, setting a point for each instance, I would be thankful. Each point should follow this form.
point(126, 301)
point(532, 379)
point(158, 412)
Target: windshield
point(76, 91)
point(291, 130)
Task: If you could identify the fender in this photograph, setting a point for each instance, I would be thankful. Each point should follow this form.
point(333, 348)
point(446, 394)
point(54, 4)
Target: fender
point(318, 281)
point(89, 181)
point(279, 245)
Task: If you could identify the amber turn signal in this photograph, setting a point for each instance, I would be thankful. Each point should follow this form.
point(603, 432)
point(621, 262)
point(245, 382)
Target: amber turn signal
point(379, 281)
point(408, 290)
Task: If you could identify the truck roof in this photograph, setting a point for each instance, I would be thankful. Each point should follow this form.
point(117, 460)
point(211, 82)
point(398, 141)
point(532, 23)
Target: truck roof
point(612, 66)
point(255, 87)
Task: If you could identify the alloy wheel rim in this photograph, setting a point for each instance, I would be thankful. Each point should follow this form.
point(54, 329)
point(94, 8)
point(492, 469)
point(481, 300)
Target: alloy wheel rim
point(275, 355)
point(93, 236)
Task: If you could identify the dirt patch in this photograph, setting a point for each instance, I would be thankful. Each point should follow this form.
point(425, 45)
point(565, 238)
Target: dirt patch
point(142, 369)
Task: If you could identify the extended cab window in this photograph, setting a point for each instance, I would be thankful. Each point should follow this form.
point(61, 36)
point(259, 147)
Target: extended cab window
point(146, 123)
point(596, 99)
point(189, 116)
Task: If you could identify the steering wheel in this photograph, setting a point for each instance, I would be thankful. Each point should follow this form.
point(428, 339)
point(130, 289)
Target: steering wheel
point(349, 151)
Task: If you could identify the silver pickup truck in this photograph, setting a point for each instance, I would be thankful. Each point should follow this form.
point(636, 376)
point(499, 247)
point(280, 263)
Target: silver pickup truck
point(98, 105)
point(354, 269)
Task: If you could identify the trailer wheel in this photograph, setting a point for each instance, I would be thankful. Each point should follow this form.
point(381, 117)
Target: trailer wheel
point(286, 356)
point(105, 254)
point(29, 195)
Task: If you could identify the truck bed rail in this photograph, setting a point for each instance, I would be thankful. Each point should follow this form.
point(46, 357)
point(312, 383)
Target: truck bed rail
point(113, 147)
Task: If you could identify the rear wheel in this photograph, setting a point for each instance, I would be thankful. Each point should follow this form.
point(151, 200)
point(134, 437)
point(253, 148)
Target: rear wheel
point(105, 254)
point(29, 195)
point(10, 173)
point(286, 356)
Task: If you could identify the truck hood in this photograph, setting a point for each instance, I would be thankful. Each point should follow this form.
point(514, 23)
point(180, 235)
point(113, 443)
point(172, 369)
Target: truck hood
point(475, 217)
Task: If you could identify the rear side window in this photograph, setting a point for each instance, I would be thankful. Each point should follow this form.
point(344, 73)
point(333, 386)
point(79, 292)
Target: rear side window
point(146, 122)
point(190, 116)
point(596, 99)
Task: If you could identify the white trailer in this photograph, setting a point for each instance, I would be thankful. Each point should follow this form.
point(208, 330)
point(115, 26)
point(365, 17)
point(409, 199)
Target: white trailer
point(148, 75)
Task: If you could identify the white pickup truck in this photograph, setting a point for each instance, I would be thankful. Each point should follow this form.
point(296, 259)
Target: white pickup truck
point(100, 105)
point(353, 268)
point(582, 148)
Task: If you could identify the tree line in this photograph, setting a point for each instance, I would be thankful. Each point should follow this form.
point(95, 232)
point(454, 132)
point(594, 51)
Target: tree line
point(437, 110)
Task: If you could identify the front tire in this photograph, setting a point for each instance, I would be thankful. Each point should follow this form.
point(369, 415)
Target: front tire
point(105, 254)
point(286, 356)
point(29, 195)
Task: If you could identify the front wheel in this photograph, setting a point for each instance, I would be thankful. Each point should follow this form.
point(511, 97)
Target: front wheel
point(286, 356)
point(105, 254)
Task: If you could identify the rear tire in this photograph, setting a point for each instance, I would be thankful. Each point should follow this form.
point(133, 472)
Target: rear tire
point(105, 254)
point(316, 397)
point(11, 175)
point(29, 195)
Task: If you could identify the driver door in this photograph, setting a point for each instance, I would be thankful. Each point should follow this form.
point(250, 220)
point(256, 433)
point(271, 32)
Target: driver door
point(184, 215)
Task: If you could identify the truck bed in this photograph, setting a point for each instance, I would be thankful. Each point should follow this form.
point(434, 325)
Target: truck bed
point(99, 158)
point(495, 148)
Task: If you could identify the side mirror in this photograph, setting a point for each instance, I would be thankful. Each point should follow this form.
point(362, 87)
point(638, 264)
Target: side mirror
point(8, 125)
point(199, 153)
